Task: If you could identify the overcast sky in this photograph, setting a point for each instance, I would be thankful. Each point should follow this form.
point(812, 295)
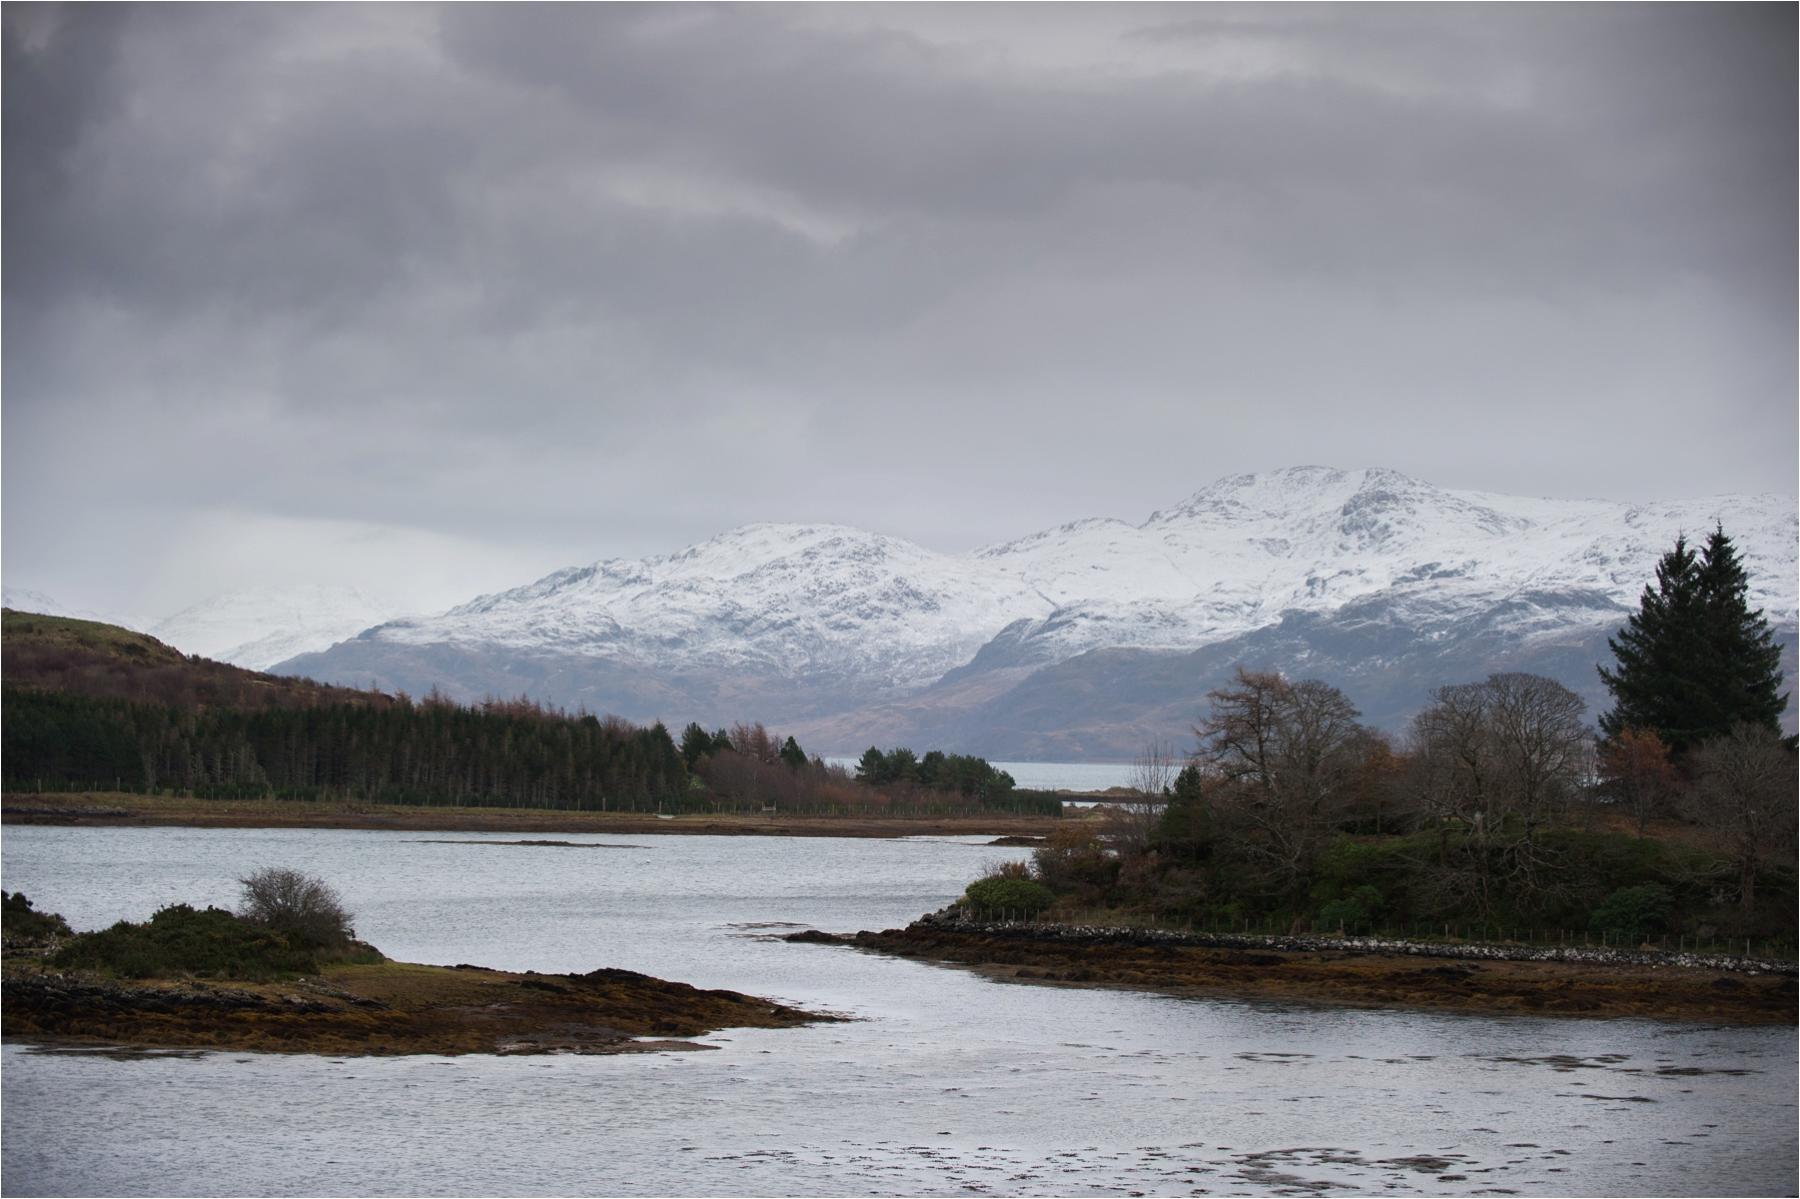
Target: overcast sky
point(437, 300)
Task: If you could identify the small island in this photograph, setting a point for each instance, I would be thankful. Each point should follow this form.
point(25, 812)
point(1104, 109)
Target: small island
point(256, 981)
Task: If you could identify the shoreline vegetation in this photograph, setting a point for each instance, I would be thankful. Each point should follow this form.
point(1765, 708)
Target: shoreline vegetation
point(1498, 809)
point(213, 980)
point(1260, 968)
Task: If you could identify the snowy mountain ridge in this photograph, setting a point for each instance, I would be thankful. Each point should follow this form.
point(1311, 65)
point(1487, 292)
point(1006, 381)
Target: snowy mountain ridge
point(1238, 555)
point(828, 615)
point(797, 599)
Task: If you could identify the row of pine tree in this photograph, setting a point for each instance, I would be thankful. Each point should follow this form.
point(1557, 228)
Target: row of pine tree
point(511, 755)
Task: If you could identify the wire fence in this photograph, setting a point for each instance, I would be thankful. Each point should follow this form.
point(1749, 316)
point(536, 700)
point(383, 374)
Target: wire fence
point(1720, 944)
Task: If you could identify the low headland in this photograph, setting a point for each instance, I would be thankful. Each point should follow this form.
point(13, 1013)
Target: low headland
point(210, 979)
point(1489, 979)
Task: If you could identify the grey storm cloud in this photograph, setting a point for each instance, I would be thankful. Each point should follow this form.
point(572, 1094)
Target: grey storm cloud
point(605, 279)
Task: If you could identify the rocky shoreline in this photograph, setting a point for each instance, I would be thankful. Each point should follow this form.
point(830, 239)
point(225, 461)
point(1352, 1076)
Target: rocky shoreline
point(1472, 978)
point(383, 1008)
point(1595, 955)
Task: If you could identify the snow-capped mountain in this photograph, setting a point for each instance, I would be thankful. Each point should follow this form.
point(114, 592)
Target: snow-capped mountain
point(24, 599)
point(797, 599)
point(258, 627)
point(1239, 555)
point(853, 636)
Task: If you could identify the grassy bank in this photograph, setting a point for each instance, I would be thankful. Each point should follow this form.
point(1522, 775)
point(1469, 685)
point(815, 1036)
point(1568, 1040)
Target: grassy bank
point(126, 809)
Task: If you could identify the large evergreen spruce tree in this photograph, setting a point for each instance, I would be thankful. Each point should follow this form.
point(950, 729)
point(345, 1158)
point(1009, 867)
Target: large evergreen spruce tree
point(1745, 661)
point(1658, 655)
point(1694, 660)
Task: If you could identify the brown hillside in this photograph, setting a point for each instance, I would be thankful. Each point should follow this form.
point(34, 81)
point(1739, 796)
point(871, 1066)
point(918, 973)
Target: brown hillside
point(107, 662)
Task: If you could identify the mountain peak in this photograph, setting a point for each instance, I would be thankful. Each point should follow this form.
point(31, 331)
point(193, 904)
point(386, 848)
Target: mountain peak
point(1288, 491)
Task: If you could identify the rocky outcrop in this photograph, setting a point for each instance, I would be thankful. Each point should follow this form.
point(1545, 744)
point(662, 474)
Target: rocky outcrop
point(1356, 971)
point(385, 1008)
point(952, 919)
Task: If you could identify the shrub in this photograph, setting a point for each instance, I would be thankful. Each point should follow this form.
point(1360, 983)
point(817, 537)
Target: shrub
point(994, 894)
point(181, 940)
point(20, 924)
point(1634, 913)
point(300, 907)
point(1073, 861)
point(1357, 911)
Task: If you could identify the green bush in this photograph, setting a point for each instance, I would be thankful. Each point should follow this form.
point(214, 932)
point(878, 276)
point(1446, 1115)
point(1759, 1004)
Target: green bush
point(994, 894)
point(183, 941)
point(1634, 913)
point(20, 924)
point(1357, 911)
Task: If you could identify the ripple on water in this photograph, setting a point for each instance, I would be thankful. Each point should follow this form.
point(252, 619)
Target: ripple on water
point(947, 1084)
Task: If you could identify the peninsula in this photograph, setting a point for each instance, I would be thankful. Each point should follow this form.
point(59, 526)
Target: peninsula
point(191, 979)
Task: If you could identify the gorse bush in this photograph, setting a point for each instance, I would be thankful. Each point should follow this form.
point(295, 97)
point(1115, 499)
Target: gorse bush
point(1635, 913)
point(183, 941)
point(302, 908)
point(21, 924)
point(995, 894)
point(1358, 911)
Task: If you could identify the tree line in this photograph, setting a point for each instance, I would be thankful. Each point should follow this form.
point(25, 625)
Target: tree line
point(747, 767)
point(511, 753)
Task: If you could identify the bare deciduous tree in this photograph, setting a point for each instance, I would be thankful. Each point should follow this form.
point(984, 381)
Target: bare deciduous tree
point(1744, 785)
point(1154, 771)
point(1499, 759)
point(1540, 742)
point(1133, 820)
point(1286, 757)
point(303, 908)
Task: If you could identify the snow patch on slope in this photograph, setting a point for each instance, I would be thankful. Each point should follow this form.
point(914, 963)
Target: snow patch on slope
point(24, 599)
point(257, 627)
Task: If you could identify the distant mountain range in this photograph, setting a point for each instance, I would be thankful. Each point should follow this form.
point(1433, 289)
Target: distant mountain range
point(260, 627)
point(253, 628)
point(1081, 642)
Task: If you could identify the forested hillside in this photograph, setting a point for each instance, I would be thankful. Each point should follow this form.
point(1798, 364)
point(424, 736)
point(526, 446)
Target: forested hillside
point(90, 706)
point(95, 706)
point(430, 753)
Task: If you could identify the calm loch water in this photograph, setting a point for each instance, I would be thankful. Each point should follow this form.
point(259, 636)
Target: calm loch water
point(946, 1084)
